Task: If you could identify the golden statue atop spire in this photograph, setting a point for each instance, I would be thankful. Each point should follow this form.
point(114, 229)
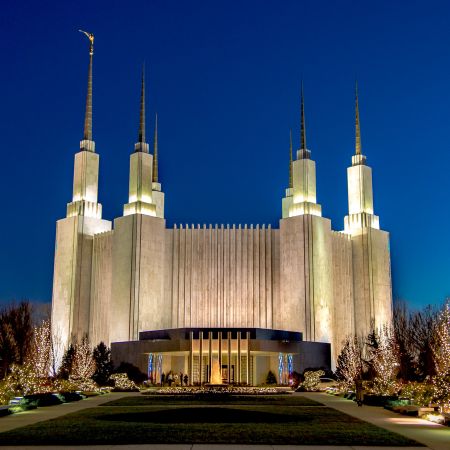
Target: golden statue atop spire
point(90, 36)
point(357, 126)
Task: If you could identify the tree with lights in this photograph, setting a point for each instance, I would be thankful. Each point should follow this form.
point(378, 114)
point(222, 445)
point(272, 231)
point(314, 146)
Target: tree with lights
point(385, 362)
point(57, 353)
point(349, 363)
point(441, 381)
point(40, 355)
point(83, 365)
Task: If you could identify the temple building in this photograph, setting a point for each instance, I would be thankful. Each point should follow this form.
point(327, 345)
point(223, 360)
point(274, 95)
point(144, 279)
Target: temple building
point(246, 298)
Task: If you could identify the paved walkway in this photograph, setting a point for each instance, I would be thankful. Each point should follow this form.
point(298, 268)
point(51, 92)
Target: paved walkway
point(212, 447)
point(435, 437)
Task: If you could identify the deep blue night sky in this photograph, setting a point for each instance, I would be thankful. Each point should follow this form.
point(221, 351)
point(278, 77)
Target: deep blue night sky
point(224, 78)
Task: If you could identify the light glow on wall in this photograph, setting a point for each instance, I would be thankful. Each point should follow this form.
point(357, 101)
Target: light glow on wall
point(299, 209)
point(139, 207)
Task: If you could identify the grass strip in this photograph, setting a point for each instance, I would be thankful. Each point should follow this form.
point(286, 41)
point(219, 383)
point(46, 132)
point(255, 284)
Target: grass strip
point(154, 400)
point(214, 424)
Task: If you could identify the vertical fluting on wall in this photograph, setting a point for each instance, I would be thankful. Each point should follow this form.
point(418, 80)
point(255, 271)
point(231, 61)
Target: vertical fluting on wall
point(222, 276)
point(343, 304)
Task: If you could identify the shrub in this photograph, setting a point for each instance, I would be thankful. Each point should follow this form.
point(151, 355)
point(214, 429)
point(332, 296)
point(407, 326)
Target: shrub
point(133, 372)
point(83, 384)
point(41, 400)
point(421, 394)
point(122, 383)
point(312, 380)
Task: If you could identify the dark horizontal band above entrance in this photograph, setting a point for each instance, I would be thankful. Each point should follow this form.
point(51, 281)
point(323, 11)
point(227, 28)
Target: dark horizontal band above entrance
point(255, 333)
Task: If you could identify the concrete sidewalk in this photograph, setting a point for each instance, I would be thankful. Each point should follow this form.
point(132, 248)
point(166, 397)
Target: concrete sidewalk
point(434, 436)
point(212, 447)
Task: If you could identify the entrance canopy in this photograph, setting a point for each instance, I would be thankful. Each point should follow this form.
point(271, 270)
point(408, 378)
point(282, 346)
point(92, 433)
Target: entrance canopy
point(241, 355)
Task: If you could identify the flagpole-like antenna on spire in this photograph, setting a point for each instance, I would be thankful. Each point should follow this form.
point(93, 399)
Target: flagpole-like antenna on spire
point(302, 121)
point(87, 135)
point(290, 160)
point(155, 152)
point(141, 137)
point(357, 125)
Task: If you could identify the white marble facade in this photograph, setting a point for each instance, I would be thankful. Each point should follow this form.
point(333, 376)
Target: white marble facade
point(113, 280)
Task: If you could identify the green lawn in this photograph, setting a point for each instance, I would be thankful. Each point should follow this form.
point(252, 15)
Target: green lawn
point(174, 421)
point(166, 399)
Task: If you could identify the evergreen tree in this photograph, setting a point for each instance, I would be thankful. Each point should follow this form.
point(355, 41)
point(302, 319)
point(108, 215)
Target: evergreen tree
point(370, 350)
point(271, 379)
point(103, 364)
point(66, 367)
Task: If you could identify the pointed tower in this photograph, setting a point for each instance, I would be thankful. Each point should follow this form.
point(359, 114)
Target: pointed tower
point(306, 289)
point(360, 195)
point(74, 236)
point(303, 190)
point(138, 254)
point(370, 246)
point(287, 200)
point(141, 167)
point(158, 195)
point(85, 179)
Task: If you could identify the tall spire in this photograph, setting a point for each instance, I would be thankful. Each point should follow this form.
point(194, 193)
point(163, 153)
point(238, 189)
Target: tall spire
point(357, 126)
point(290, 159)
point(155, 152)
point(141, 137)
point(87, 135)
point(302, 125)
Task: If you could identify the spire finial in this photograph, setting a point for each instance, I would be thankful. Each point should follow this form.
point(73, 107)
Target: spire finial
point(155, 152)
point(357, 126)
point(88, 114)
point(302, 125)
point(141, 137)
point(290, 160)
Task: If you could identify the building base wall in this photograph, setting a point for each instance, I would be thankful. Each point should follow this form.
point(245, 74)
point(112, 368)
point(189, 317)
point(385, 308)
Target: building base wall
point(246, 356)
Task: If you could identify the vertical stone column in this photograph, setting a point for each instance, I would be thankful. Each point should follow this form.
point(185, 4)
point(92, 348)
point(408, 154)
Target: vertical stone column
point(248, 357)
point(220, 351)
point(238, 378)
point(306, 278)
point(200, 337)
point(191, 357)
point(138, 274)
point(210, 356)
point(229, 355)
